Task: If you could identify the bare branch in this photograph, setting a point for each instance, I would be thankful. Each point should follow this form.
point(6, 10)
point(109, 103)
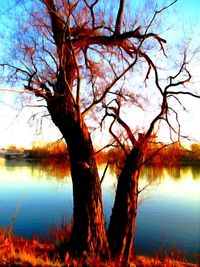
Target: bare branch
point(57, 26)
point(156, 13)
point(141, 190)
point(107, 89)
point(91, 7)
point(104, 172)
point(77, 68)
point(119, 40)
point(13, 91)
point(178, 100)
point(151, 65)
point(119, 17)
point(111, 144)
point(115, 136)
point(183, 93)
point(17, 69)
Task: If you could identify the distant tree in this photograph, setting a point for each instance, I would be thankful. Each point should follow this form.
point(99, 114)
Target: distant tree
point(195, 148)
point(12, 147)
point(80, 57)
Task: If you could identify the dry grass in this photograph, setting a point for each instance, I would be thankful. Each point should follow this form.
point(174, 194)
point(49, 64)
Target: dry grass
point(17, 251)
point(142, 261)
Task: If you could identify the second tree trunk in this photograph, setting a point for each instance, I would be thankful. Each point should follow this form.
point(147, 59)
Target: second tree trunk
point(123, 218)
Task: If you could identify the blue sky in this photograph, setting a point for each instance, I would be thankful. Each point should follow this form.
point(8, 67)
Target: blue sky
point(183, 21)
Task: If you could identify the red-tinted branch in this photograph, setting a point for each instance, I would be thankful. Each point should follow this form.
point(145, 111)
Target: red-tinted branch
point(119, 40)
point(107, 89)
point(91, 7)
point(57, 26)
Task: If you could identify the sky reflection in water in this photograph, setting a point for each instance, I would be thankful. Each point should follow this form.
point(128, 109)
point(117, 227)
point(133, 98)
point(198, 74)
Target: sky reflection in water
point(169, 208)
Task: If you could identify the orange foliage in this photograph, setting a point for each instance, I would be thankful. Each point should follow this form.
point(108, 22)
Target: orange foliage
point(160, 155)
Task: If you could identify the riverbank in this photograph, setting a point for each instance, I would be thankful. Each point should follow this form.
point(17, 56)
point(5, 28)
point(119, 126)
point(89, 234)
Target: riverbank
point(143, 261)
point(157, 154)
point(17, 251)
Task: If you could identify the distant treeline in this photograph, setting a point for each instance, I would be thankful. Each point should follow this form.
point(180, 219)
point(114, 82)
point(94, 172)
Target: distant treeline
point(156, 154)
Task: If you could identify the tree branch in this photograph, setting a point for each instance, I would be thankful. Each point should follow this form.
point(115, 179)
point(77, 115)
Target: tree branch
point(57, 26)
point(120, 40)
point(119, 18)
point(107, 89)
point(104, 172)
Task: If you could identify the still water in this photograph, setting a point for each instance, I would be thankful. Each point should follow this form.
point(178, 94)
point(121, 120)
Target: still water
point(33, 198)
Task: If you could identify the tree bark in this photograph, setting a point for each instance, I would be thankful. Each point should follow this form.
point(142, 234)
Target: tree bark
point(89, 232)
point(122, 222)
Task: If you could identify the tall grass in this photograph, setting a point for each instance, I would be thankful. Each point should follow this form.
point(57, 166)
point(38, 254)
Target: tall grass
point(17, 251)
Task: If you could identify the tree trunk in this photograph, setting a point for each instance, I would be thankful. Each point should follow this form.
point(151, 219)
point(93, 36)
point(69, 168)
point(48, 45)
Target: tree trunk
point(89, 232)
point(122, 222)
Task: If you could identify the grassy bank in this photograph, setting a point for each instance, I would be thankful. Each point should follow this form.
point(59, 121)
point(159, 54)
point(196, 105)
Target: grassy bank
point(17, 251)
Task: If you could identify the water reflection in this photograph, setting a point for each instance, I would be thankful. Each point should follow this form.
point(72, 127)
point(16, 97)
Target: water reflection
point(195, 172)
point(172, 209)
point(32, 198)
point(35, 196)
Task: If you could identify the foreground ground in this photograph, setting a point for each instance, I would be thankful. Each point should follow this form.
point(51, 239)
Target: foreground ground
point(16, 251)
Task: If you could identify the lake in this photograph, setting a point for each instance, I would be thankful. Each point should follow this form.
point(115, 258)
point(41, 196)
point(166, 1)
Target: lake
point(34, 198)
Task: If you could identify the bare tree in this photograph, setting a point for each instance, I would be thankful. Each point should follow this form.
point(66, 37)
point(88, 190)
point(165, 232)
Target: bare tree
point(123, 218)
point(77, 56)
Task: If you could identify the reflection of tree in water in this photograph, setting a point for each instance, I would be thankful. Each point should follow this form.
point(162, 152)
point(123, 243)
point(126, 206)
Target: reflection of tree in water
point(174, 172)
point(192, 171)
point(56, 167)
point(153, 173)
point(195, 172)
point(15, 165)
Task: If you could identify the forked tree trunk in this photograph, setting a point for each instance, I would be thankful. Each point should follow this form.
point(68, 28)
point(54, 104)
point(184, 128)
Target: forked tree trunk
point(123, 218)
point(89, 232)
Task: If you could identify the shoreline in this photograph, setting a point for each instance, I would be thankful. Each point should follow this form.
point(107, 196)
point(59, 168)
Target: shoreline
point(18, 251)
